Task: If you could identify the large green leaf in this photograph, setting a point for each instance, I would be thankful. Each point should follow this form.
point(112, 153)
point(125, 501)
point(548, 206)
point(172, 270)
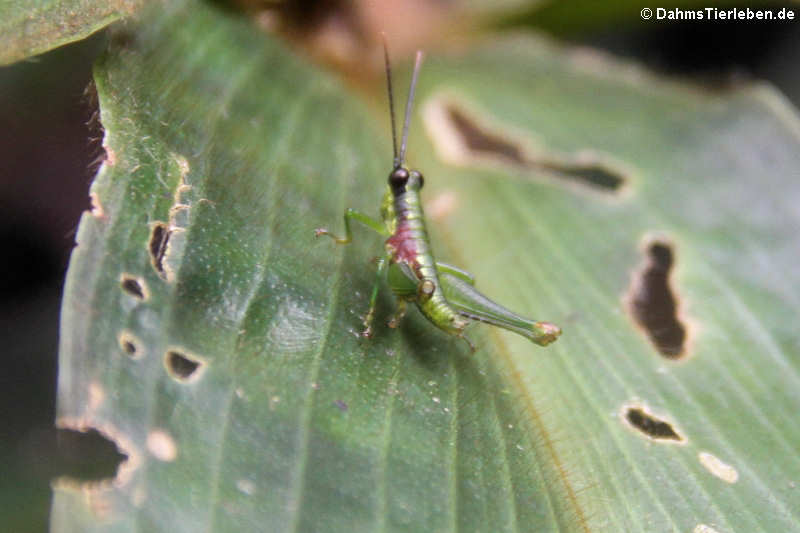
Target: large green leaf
point(224, 140)
point(30, 27)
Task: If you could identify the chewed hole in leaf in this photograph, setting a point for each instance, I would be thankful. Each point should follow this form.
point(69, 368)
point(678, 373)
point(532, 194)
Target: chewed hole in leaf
point(130, 345)
point(93, 455)
point(159, 238)
point(182, 366)
point(462, 137)
point(96, 207)
point(134, 286)
point(480, 140)
point(87, 456)
point(654, 305)
point(594, 174)
point(650, 425)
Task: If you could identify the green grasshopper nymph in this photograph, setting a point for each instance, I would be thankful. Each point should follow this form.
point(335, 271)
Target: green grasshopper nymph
point(445, 294)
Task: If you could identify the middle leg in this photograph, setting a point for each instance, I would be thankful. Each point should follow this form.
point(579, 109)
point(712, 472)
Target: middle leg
point(399, 314)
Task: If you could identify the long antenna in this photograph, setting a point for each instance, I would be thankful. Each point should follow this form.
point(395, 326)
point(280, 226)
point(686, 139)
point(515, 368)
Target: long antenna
point(391, 99)
point(409, 105)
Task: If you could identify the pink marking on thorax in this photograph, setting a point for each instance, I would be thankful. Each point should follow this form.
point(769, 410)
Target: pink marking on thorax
point(403, 243)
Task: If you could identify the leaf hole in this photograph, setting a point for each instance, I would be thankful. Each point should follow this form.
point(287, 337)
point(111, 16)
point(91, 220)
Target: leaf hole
point(182, 366)
point(469, 140)
point(87, 456)
point(92, 456)
point(134, 286)
point(654, 305)
point(655, 428)
point(159, 238)
point(130, 345)
point(593, 174)
point(482, 141)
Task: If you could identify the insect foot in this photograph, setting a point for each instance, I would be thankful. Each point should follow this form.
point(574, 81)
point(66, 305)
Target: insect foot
point(472, 346)
point(545, 333)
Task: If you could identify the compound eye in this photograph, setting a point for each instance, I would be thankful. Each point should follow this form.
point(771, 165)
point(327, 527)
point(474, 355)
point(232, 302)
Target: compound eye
point(398, 177)
point(420, 181)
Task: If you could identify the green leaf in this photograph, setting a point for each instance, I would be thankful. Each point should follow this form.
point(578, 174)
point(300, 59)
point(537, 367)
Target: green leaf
point(225, 363)
point(30, 28)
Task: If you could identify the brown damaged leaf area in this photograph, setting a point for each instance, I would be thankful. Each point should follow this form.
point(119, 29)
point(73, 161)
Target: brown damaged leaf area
point(134, 286)
point(183, 366)
point(654, 304)
point(464, 138)
point(642, 419)
point(130, 458)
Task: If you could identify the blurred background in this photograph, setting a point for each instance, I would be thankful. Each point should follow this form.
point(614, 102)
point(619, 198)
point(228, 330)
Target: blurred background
point(50, 148)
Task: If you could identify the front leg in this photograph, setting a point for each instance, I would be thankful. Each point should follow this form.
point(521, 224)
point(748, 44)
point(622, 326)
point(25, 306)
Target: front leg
point(352, 214)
